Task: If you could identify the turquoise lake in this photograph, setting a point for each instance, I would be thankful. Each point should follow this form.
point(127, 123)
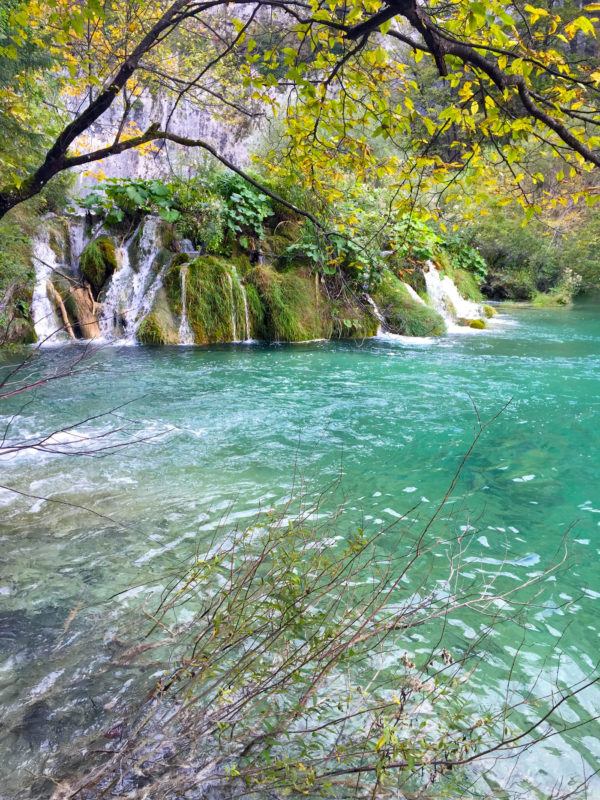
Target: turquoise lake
point(223, 432)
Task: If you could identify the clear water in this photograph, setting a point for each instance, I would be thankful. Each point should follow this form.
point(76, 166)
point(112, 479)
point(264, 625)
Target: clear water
point(230, 425)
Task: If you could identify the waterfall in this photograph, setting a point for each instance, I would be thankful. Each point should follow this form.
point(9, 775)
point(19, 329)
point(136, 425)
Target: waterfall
point(233, 325)
point(185, 332)
point(245, 299)
point(144, 286)
point(246, 315)
point(446, 300)
point(45, 319)
point(413, 294)
point(131, 292)
point(377, 313)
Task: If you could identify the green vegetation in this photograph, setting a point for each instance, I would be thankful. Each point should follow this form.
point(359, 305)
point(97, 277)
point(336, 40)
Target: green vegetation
point(120, 199)
point(210, 300)
point(98, 261)
point(557, 296)
point(284, 306)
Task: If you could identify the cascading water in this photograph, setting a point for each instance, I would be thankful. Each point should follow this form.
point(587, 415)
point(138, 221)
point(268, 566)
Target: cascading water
point(246, 314)
point(131, 292)
point(233, 325)
point(185, 332)
point(245, 299)
point(413, 294)
point(78, 239)
point(45, 319)
point(377, 312)
point(446, 299)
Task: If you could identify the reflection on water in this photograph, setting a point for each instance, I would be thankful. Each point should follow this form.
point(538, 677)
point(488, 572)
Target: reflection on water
point(228, 428)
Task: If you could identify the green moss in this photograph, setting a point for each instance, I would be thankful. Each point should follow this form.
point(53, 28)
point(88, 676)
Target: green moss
point(489, 311)
point(98, 262)
point(256, 312)
point(172, 283)
point(403, 314)
point(150, 331)
point(159, 327)
point(478, 324)
point(286, 306)
point(280, 320)
point(467, 284)
point(209, 300)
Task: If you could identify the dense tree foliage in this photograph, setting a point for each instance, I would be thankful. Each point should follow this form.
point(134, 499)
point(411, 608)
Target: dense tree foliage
point(339, 77)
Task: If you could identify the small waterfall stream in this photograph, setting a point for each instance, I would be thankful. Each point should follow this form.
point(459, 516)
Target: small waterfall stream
point(377, 312)
point(248, 337)
point(233, 325)
point(185, 332)
point(413, 294)
point(447, 301)
point(78, 239)
point(246, 315)
point(45, 319)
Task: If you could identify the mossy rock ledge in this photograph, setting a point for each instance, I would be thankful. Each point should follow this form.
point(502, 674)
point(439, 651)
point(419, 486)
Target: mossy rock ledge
point(98, 262)
point(282, 306)
point(403, 314)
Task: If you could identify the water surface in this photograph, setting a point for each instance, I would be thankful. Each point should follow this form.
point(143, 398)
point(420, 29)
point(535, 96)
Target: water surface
point(226, 429)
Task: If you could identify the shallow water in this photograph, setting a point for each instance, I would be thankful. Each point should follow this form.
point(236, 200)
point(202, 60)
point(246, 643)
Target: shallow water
point(230, 427)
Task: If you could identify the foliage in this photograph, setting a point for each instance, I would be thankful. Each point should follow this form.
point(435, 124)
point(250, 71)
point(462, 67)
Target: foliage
point(150, 331)
point(201, 215)
point(349, 77)
point(213, 299)
point(25, 121)
point(246, 208)
point(464, 256)
point(283, 306)
point(119, 198)
point(557, 296)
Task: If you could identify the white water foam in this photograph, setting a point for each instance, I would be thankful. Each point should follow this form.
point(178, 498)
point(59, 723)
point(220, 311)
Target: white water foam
point(131, 293)
point(447, 301)
point(48, 329)
point(185, 332)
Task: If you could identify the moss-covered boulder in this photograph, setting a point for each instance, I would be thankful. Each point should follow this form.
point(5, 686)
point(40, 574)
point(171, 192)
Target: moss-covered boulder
point(214, 300)
point(403, 314)
point(286, 307)
point(477, 324)
point(159, 326)
point(489, 311)
point(98, 262)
